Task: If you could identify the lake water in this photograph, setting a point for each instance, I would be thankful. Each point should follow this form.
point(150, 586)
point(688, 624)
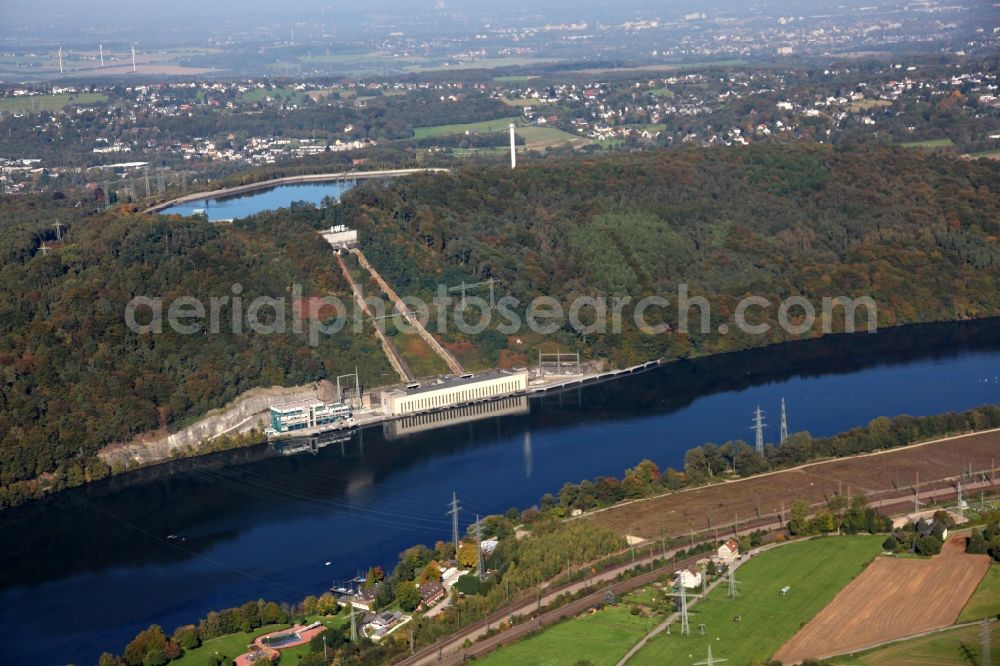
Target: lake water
point(245, 205)
point(84, 570)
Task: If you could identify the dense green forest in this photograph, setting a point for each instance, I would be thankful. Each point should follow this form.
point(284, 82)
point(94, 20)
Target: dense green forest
point(915, 231)
point(74, 378)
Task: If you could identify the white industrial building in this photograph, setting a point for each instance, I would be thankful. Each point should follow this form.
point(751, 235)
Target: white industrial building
point(340, 237)
point(450, 391)
point(303, 414)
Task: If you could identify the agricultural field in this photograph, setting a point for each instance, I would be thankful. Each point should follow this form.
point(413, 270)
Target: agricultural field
point(889, 601)
point(36, 103)
point(665, 93)
point(867, 104)
point(87, 64)
point(524, 101)
point(602, 638)
point(955, 647)
point(483, 126)
point(930, 143)
point(678, 513)
point(664, 67)
point(815, 571)
point(985, 601)
point(481, 63)
point(540, 138)
point(288, 94)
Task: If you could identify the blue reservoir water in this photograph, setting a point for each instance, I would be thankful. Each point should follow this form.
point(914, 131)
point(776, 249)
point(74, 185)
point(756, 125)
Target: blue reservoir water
point(84, 570)
point(270, 199)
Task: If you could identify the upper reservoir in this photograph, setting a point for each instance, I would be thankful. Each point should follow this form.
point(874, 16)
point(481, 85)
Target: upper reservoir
point(279, 196)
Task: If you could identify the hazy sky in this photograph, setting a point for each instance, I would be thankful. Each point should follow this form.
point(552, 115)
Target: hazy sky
point(84, 13)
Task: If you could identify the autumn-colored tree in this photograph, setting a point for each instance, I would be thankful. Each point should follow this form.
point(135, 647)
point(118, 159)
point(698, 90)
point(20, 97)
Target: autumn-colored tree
point(467, 555)
point(431, 573)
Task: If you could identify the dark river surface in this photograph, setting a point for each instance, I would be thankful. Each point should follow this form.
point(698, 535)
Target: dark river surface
point(84, 570)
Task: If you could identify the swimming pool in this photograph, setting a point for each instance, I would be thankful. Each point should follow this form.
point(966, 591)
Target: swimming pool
point(281, 640)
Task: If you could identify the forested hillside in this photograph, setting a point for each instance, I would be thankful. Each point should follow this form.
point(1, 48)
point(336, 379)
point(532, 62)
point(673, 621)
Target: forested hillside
point(918, 232)
point(73, 377)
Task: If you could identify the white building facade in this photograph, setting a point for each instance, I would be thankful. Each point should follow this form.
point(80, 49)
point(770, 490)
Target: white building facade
point(453, 391)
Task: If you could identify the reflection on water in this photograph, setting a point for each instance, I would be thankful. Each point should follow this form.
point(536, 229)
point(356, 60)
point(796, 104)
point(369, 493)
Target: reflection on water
point(169, 543)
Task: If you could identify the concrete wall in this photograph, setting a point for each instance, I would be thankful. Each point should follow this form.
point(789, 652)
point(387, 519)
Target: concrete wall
point(249, 410)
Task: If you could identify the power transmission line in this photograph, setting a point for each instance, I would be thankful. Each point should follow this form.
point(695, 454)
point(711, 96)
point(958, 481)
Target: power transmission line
point(454, 521)
point(758, 426)
point(784, 423)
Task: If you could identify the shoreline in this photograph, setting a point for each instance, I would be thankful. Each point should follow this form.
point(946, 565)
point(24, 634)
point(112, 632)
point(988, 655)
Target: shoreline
point(565, 384)
point(290, 180)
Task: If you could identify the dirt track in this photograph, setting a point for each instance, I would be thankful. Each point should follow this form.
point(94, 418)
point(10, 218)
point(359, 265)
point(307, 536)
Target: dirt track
point(891, 599)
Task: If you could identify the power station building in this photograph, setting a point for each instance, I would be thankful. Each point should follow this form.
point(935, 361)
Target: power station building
point(451, 391)
point(304, 414)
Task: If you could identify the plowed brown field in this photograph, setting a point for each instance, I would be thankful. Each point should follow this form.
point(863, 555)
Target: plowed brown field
point(892, 598)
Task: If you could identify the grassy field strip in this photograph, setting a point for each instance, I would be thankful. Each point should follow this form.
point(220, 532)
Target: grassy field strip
point(483, 126)
point(985, 601)
point(930, 143)
point(956, 646)
point(48, 102)
point(601, 638)
point(540, 138)
point(816, 570)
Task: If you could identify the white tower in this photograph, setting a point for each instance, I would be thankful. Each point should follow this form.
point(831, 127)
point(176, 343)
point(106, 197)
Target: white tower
point(133, 58)
point(513, 150)
point(100, 47)
point(60, 59)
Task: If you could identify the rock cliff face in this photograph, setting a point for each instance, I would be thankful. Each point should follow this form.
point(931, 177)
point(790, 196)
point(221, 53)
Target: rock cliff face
point(248, 411)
